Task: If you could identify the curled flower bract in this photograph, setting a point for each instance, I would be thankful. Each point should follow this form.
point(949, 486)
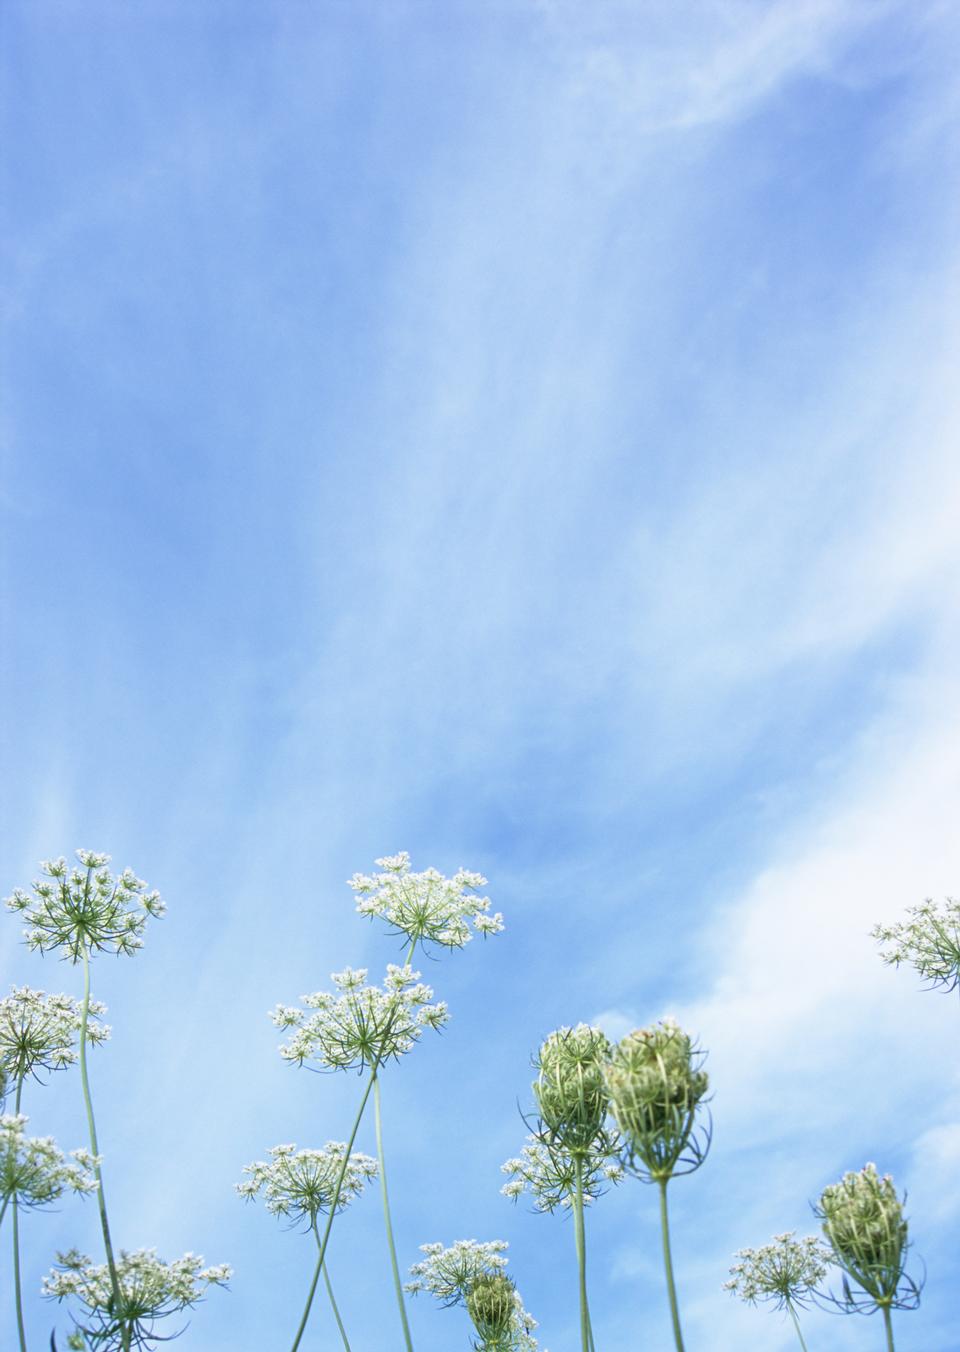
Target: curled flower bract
point(864, 1224)
point(40, 1032)
point(570, 1088)
point(302, 1184)
point(85, 909)
point(34, 1170)
point(150, 1290)
point(360, 1025)
point(786, 1271)
point(656, 1086)
point(426, 907)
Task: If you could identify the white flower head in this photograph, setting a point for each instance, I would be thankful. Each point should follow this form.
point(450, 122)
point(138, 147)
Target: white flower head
point(929, 941)
point(360, 1025)
point(548, 1171)
point(426, 907)
point(150, 1289)
point(40, 1032)
point(448, 1273)
point(85, 909)
point(301, 1184)
point(34, 1170)
point(787, 1271)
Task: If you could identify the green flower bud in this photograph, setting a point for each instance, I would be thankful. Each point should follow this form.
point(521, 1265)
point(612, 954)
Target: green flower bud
point(492, 1305)
point(864, 1223)
point(655, 1086)
point(570, 1088)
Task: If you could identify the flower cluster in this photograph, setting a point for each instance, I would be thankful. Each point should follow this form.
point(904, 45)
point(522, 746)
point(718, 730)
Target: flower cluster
point(39, 1032)
point(548, 1171)
point(425, 907)
point(786, 1271)
point(85, 910)
point(302, 1184)
point(656, 1085)
point(360, 1025)
point(570, 1088)
point(473, 1274)
point(34, 1170)
point(928, 941)
point(863, 1222)
point(149, 1289)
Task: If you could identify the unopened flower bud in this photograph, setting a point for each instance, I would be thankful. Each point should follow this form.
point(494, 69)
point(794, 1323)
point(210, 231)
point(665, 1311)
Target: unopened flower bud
point(570, 1088)
point(863, 1221)
point(492, 1305)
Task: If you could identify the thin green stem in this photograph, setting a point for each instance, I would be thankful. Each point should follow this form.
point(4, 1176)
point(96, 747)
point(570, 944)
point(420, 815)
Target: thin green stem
point(586, 1333)
point(327, 1284)
point(17, 1292)
point(668, 1264)
point(92, 1128)
point(397, 1285)
point(888, 1325)
point(339, 1185)
point(796, 1323)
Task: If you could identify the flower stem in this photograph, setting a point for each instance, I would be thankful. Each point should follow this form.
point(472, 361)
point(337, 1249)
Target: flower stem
point(586, 1333)
point(796, 1323)
point(18, 1296)
point(397, 1285)
point(92, 1127)
point(333, 1303)
point(668, 1264)
point(888, 1325)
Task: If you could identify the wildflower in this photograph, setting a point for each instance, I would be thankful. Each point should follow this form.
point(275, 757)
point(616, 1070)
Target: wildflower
point(33, 1170)
point(39, 1032)
point(863, 1222)
point(928, 941)
point(786, 1271)
point(302, 1184)
point(361, 1025)
point(426, 907)
point(473, 1274)
point(149, 1290)
point(548, 1171)
point(86, 909)
point(570, 1087)
point(655, 1087)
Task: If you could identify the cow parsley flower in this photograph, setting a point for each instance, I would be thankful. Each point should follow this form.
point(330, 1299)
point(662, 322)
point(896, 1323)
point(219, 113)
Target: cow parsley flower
point(150, 1290)
point(864, 1224)
point(656, 1086)
point(928, 941)
point(301, 1184)
point(786, 1271)
point(449, 1273)
point(85, 909)
point(570, 1088)
point(426, 907)
point(360, 1025)
point(34, 1170)
point(548, 1171)
point(39, 1032)
point(473, 1274)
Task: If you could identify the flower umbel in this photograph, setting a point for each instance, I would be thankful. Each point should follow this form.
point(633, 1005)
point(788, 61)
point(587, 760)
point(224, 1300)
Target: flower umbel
point(786, 1271)
point(150, 1290)
point(928, 941)
point(548, 1171)
point(86, 908)
point(496, 1311)
point(864, 1224)
point(39, 1032)
point(33, 1168)
point(301, 1184)
point(360, 1025)
point(656, 1086)
point(426, 907)
point(473, 1274)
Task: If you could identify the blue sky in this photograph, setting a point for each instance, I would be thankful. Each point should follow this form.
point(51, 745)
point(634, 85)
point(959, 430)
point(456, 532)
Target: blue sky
point(523, 434)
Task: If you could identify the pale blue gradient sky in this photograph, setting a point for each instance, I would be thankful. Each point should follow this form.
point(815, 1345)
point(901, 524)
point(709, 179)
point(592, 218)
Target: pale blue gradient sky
point(524, 434)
